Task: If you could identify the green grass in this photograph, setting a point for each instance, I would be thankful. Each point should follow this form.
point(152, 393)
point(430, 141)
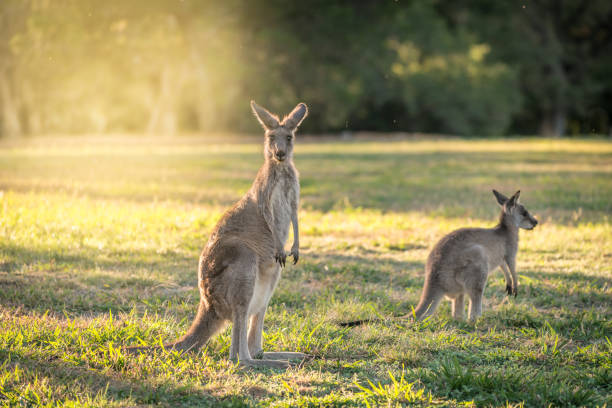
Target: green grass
point(99, 242)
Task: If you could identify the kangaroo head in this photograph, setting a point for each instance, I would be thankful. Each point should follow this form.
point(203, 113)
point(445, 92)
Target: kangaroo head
point(514, 213)
point(279, 134)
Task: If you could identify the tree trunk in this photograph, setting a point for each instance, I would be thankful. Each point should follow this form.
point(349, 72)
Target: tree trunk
point(559, 114)
point(31, 115)
point(554, 120)
point(11, 127)
point(560, 122)
point(554, 124)
point(162, 119)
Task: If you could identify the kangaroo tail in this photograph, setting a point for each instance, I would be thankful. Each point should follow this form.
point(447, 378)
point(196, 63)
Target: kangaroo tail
point(354, 323)
point(205, 325)
point(430, 298)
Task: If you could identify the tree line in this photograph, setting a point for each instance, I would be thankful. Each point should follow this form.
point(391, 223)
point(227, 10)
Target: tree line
point(467, 67)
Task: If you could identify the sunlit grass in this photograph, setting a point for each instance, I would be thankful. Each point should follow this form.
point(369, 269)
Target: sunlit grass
point(99, 243)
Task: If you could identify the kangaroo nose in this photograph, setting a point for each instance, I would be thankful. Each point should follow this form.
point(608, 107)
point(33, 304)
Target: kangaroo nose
point(280, 155)
point(535, 222)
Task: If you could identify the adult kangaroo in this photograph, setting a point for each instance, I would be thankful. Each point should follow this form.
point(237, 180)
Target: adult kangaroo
point(241, 263)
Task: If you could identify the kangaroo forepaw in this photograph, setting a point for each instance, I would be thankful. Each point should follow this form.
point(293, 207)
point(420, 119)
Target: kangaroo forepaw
point(281, 258)
point(515, 291)
point(295, 253)
point(509, 289)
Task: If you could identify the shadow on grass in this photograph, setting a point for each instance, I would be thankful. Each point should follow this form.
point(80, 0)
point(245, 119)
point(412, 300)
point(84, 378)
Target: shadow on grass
point(80, 279)
point(65, 259)
point(575, 277)
point(39, 278)
point(113, 387)
point(373, 267)
point(88, 281)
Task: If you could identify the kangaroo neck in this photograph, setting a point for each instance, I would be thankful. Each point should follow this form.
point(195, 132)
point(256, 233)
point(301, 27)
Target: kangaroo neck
point(509, 233)
point(268, 176)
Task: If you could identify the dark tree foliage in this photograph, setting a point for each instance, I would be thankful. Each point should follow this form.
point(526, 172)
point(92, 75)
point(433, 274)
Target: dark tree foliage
point(562, 50)
point(469, 67)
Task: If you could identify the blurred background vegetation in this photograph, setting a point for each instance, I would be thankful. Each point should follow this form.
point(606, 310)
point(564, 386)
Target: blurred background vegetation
point(467, 67)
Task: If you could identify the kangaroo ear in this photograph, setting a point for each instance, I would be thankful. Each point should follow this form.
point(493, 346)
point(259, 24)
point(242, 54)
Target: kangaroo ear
point(267, 120)
point(501, 199)
point(514, 199)
point(293, 120)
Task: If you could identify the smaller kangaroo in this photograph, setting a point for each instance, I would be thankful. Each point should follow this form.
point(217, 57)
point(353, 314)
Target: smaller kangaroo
point(460, 262)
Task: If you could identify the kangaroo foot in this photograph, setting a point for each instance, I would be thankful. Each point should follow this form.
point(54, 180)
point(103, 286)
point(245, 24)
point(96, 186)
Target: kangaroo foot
point(278, 364)
point(285, 355)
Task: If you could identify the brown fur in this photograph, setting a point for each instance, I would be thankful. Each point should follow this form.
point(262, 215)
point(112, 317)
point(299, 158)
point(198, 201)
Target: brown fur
point(240, 266)
point(460, 263)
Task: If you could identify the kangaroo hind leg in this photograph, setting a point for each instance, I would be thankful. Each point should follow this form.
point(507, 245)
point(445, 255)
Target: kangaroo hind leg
point(476, 289)
point(255, 337)
point(458, 306)
point(240, 345)
point(241, 285)
point(255, 342)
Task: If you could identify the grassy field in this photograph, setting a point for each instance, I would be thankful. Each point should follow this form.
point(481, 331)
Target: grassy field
point(99, 242)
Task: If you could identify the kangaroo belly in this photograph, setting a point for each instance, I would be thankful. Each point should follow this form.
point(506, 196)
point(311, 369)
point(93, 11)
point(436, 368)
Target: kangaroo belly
point(265, 283)
point(494, 263)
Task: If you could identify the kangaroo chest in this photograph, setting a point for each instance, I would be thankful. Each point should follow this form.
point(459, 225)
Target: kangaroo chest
point(498, 253)
point(284, 193)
